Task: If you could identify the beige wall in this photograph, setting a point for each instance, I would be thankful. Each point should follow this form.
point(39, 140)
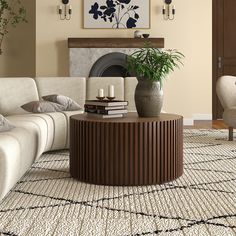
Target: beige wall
point(18, 58)
point(187, 91)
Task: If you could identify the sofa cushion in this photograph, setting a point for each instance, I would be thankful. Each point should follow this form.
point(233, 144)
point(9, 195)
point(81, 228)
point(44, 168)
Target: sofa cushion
point(73, 87)
point(15, 155)
point(68, 114)
point(37, 125)
point(52, 129)
point(10, 160)
point(42, 107)
point(95, 83)
point(14, 92)
point(60, 130)
point(5, 125)
point(68, 103)
point(130, 86)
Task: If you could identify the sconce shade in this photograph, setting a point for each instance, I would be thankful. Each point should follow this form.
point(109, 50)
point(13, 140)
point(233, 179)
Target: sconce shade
point(65, 1)
point(168, 1)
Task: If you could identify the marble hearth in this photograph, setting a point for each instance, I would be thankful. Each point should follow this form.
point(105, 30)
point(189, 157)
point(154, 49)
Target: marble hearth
point(85, 52)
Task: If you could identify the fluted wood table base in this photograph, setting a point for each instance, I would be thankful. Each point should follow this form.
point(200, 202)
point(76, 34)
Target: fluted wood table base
point(127, 151)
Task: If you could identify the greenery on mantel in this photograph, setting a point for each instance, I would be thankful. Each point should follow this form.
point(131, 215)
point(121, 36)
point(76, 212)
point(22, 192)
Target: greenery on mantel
point(12, 12)
point(152, 63)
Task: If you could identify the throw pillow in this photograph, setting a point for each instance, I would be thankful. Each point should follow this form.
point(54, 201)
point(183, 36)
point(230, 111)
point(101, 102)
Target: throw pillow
point(42, 107)
point(5, 125)
point(68, 103)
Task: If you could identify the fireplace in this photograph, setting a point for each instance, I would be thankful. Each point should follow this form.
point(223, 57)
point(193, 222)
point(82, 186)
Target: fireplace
point(104, 57)
point(110, 65)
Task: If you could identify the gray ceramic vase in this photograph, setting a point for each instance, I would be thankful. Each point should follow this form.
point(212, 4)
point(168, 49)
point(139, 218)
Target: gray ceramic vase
point(148, 98)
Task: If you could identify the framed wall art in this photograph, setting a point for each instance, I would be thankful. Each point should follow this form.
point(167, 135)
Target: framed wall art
point(117, 14)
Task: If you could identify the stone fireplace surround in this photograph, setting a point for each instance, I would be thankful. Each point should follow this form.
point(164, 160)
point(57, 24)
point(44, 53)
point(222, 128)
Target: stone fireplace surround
point(85, 52)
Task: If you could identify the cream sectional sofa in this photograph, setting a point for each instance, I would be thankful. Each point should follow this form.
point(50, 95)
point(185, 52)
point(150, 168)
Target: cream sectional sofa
point(38, 133)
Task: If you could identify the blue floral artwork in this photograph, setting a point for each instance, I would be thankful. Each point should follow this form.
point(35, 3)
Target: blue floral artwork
point(116, 14)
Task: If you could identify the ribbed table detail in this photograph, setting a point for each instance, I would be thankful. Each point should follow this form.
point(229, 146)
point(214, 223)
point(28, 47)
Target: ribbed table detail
point(128, 151)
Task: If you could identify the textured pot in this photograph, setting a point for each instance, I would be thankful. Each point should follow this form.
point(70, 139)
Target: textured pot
point(148, 98)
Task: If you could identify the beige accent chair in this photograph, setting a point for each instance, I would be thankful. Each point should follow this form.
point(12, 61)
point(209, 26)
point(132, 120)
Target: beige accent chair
point(226, 91)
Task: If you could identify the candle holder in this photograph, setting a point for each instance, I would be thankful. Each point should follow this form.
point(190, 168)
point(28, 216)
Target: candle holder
point(111, 98)
point(100, 98)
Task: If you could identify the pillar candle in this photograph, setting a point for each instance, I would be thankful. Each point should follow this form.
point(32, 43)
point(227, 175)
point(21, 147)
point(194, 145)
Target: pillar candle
point(111, 91)
point(101, 93)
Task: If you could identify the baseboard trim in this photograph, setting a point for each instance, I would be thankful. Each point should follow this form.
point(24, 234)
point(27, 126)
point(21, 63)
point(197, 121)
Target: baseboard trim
point(202, 116)
point(188, 121)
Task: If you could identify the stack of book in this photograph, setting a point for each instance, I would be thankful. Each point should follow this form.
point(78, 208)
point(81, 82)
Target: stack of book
point(106, 108)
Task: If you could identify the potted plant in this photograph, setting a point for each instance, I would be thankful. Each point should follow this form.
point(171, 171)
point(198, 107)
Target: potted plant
point(12, 13)
point(151, 66)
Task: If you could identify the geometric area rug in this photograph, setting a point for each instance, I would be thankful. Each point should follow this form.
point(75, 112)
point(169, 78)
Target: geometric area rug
point(47, 201)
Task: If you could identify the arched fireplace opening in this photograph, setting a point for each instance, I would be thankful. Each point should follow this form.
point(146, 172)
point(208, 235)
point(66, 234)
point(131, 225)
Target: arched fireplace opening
point(110, 65)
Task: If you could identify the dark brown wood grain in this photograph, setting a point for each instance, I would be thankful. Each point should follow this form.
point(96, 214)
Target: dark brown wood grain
point(127, 151)
point(114, 42)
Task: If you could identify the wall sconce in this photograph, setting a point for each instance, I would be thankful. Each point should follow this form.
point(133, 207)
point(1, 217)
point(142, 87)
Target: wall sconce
point(168, 10)
point(65, 14)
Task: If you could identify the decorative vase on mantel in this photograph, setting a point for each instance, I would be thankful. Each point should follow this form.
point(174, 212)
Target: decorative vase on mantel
point(148, 98)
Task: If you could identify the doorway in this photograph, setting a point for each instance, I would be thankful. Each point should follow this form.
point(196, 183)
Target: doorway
point(224, 46)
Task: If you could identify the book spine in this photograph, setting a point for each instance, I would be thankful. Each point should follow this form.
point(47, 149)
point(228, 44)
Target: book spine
point(103, 112)
point(90, 106)
point(101, 108)
point(90, 110)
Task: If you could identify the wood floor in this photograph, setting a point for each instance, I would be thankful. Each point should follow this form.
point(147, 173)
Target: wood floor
point(215, 124)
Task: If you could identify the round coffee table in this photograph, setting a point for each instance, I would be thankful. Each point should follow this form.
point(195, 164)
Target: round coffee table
point(126, 151)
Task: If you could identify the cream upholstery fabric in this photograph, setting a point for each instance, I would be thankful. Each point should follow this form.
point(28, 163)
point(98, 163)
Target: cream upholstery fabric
point(68, 114)
point(73, 87)
point(33, 135)
point(52, 129)
point(229, 117)
point(226, 91)
point(40, 124)
point(27, 139)
point(95, 83)
point(5, 124)
point(16, 156)
point(130, 85)
point(9, 162)
point(59, 131)
point(15, 92)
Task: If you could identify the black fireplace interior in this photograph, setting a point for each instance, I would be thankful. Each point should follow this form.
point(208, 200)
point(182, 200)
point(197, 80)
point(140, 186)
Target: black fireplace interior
point(110, 65)
point(115, 71)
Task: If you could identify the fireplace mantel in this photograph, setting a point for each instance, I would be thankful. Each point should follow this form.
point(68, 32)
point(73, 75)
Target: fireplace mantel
point(84, 52)
point(114, 42)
